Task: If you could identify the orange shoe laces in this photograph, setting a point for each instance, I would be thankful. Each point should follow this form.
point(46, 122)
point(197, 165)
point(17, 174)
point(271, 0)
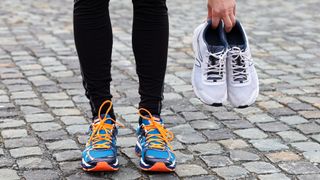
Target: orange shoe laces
point(96, 136)
point(157, 141)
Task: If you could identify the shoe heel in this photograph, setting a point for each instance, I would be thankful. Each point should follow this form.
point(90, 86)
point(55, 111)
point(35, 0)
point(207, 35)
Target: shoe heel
point(138, 151)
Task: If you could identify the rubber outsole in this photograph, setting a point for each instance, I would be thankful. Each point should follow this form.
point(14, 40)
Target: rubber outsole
point(101, 166)
point(157, 167)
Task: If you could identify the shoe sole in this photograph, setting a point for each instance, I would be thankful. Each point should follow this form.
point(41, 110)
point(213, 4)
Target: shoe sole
point(101, 166)
point(157, 167)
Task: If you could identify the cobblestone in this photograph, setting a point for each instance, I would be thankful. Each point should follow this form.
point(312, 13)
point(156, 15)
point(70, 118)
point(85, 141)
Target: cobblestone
point(9, 174)
point(231, 172)
point(45, 115)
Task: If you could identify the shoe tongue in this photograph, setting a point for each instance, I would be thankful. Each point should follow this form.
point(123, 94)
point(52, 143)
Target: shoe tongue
point(215, 49)
point(148, 122)
point(239, 63)
point(242, 47)
point(157, 119)
point(214, 76)
point(97, 120)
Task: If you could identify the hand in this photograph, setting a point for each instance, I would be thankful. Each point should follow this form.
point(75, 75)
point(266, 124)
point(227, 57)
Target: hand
point(222, 10)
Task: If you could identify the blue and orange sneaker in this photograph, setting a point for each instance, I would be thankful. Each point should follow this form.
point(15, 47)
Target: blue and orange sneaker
point(153, 144)
point(100, 153)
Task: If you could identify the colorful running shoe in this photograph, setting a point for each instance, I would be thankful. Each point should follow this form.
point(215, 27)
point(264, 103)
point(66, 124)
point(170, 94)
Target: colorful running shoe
point(243, 83)
point(100, 153)
point(209, 79)
point(153, 144)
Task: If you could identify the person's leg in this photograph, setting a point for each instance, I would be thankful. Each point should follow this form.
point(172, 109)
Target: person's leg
point(93, 39)
point(150, 47)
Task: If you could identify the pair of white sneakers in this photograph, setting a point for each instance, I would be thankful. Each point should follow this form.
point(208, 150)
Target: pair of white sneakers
point(223, 68)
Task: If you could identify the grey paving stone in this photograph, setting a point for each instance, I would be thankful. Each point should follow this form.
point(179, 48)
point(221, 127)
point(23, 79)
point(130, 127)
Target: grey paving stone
point(218, 134)
point(216, 160)
point(316, 137)
point(300, 106)
point(299, 168)
point(182, 157)
point(225, 115)
point(291, 120)
point(62, 145)
point(277, 176)
point(268, 145)
point(163, 176)
point(184, 170)
point(31, 110)
point(237, 124)
point(70, 120)
point(60, 104)
point(126, 173)
point(251, 133)
point(14, 133)
point(234, 143)
point(190, 116)
point(52, 135)
point(309, 128)
point(23, 95)
point(231, 172)
point(259, 118)
point(11, 123)
point(309, 177)
point(206, 149)
point(44, 117)
point(240, 155)
point(204, 124)
point(306, 146)
point(260, 167)
point(186, 134)
point(282, 112)
point(273, 126)
point(28, 102)
point(48, 126)
point(312, 156)
point(291, 136)
point(25, 151)
point(66, 112)
point(34, 163)
point(20, 142)
point(78, 129)
point(69, 167)
point(40, 174)
point(9, 174)
point(67, 155)
point(126, 141)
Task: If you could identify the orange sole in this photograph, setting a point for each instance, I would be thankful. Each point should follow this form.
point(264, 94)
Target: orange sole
point(158, 167)
point(102, 166)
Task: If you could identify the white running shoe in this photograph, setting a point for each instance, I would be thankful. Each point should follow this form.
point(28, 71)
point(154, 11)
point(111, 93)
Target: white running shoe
point(209, 79)
point(243, 83)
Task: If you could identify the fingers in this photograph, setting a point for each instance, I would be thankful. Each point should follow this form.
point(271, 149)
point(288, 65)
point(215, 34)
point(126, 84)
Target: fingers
point(209, 12)
point(215, 22)
point(228, 25)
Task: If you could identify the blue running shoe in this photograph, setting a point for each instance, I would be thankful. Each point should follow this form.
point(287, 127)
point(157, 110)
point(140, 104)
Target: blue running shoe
point(153, 144)
point(100, 153)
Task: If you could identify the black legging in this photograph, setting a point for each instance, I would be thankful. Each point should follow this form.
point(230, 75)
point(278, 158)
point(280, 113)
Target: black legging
point(93, 39)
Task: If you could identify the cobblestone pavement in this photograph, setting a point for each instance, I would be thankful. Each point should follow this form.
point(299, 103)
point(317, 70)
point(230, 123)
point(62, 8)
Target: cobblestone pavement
point(44, 115)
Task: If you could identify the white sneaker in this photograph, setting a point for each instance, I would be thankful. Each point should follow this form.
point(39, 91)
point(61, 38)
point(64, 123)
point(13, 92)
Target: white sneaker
point(209, 79)
point(243, 83)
